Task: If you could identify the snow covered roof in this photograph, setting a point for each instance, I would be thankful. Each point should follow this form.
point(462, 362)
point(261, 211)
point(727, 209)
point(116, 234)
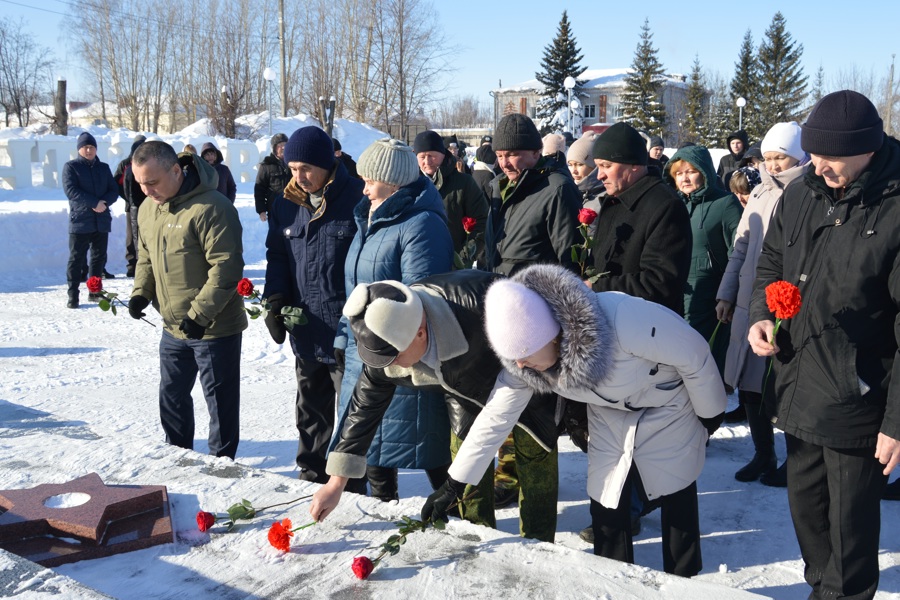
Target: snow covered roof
point(592, 78)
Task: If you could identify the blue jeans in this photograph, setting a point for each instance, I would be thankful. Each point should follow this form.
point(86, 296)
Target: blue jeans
point(218, 362)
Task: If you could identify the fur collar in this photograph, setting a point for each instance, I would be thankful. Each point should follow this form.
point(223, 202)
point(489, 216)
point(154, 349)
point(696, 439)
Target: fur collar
point(585, 359)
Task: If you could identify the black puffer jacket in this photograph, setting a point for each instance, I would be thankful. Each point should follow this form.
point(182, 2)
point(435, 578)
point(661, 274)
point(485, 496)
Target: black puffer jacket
point(272, 176)
point(467, 378)
point(845, 257)
point(226, 185)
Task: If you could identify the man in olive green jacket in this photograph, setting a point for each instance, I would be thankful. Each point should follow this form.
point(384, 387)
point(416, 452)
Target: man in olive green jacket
point(189, 264)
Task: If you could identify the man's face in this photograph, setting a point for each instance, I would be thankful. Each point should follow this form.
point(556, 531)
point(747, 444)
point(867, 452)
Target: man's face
point(87, 152)
point(279, 150)
point(616, 177)
point(310, 178)
point(430, 162)
point(737, 146)
point(515, 162)
point(840, 171)
point(416, 349)
point(158, 183)
point(656, 152)
point(210, 156)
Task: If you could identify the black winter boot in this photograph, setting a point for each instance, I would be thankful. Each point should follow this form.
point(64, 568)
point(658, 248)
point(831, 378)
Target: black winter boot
point(776, 478)
point(764, 459)
point(73, 299)
point(383, 483)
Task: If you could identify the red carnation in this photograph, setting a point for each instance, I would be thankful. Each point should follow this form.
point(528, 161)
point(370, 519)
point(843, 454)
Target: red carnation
point(783, 299)
point(280, 535)
point(205, 520)
point(362, 567)
point(94, 285)
point(468, 224)
point(245, 287)
point(586, 216)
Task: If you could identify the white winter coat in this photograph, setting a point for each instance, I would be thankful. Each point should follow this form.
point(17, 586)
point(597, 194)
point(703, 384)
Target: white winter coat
point(645, 374)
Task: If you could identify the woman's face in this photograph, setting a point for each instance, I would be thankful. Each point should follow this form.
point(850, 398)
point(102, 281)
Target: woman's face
point(687, 178)
point(543, 359)
point(378, 191)
point(579, 170)
point(776, 162)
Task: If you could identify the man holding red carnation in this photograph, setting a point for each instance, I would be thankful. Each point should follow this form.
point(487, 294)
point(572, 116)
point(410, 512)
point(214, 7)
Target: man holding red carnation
point(835, 386)
point(189, 263)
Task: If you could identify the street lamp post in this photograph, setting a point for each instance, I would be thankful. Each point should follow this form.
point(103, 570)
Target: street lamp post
point(741, 103)
point(569, 84)
point(269, 76)
point(575, 105)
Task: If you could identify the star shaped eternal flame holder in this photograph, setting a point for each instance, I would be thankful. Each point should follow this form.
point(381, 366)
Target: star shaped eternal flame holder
point(56, 524)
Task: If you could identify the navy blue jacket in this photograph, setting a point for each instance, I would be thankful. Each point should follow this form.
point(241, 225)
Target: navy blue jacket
point(86, 183)
point(306, 249)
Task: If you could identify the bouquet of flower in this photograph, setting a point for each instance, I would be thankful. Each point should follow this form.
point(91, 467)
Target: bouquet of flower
point(586, 216)
point(242, 510)
point(292, 316)
point(466, 257)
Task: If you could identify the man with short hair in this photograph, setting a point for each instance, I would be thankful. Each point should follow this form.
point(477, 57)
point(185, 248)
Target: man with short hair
point(429, 335)
point(462, 196)
point(311, 227)
point(189, 264)
point(836, 390)
point(737, 144)
point(272, 175)
point(91, 189)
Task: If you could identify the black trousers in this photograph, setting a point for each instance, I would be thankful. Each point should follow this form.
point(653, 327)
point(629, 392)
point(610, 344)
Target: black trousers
point(78, 268)
point(383, 480)
point(131, 238)
point(318, 386)
point(835, 500)
point(680, 528)
point(218, 363)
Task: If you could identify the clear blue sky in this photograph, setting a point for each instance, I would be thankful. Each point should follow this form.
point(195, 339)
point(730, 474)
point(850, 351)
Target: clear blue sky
point(504, 40)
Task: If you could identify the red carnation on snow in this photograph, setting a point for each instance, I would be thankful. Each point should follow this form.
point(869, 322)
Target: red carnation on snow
point(280, 535)
point(94, 285)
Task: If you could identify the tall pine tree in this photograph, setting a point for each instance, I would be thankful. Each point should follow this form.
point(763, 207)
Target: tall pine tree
point(695, 106)
point(782, 82)
point(562, 59)
point(642, 106)
point(818, 89)
point(745, 84)
point(721, 111)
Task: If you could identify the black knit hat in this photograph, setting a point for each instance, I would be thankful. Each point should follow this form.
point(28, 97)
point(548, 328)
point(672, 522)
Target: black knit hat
point(516, 132)
point(278, 138)
point(621, 143)
point(310, 145)
point(843, 123)
point(85, 139)
point(486, 155)
point(428, 141)
point(336, 143)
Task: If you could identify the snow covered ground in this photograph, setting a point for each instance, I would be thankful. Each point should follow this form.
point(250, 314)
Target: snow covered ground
point(78, 395)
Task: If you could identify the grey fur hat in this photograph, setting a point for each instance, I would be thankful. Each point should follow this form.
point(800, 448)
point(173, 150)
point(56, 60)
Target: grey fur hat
point(389, 161)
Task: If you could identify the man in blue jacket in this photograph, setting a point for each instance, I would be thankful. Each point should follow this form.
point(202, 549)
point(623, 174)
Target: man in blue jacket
point(311, 227)
point(91, 189)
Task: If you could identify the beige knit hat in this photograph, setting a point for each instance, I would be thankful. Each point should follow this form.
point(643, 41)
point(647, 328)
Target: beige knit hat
point(553, 143)
point(389, 161)
point(581, 150)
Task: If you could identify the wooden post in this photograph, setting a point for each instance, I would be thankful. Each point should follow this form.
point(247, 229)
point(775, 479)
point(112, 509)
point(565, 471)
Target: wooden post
point(61, 117)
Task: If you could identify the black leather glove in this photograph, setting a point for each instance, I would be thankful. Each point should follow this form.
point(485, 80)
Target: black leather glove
point(575, 420)
point(439, 502)
point(340, 358)
point(192, 330)
point(136, 306)
point(712, 423)
point(274, 324)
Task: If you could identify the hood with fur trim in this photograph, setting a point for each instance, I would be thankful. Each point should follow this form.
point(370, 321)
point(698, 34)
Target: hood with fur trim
point(586, 331)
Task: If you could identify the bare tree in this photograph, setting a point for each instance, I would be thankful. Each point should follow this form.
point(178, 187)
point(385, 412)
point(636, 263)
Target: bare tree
point(24, 72)
point(460, 112)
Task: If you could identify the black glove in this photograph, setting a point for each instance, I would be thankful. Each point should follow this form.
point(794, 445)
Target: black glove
point(340, 358)
point(136, 305)
point(192, 330)
point(438, 503)
point(274, 324)
point(712, 423)
point(575, 420)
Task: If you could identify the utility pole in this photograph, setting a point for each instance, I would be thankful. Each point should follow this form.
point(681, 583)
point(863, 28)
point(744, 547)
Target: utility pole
point(283, 69)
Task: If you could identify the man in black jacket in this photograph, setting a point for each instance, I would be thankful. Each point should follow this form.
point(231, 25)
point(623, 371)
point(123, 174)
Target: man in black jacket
point(133, 196)
point(836, 375)
point(737, 144)
point(272, 176)
point(438, 323)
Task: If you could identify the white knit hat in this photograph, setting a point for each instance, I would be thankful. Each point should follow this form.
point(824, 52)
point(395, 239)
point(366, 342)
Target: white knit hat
point(385, 317)
point(389, 161)
point(784, 138)
point(518, 320)
point(582, 150)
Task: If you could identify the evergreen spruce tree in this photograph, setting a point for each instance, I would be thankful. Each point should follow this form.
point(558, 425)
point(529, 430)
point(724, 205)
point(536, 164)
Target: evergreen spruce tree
point(642, 106)
point(721, 111)
point(782, 82)
point(562, 59)
point(695, 108)
point(818, 89)
point(745, 84)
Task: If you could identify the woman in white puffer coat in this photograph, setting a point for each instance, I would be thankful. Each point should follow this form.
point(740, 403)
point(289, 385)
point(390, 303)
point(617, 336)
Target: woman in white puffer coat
point(785, 161)
point(652, 389)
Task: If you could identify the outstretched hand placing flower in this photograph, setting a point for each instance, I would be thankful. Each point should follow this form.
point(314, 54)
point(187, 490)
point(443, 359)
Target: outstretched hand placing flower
point(589, 274)
point(242, 510)
point(107, 299)
point(291, 316)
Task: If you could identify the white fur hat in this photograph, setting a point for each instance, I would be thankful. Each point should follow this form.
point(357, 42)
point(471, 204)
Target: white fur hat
point(784, 138)
point(518, 320)
point(385, 317)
